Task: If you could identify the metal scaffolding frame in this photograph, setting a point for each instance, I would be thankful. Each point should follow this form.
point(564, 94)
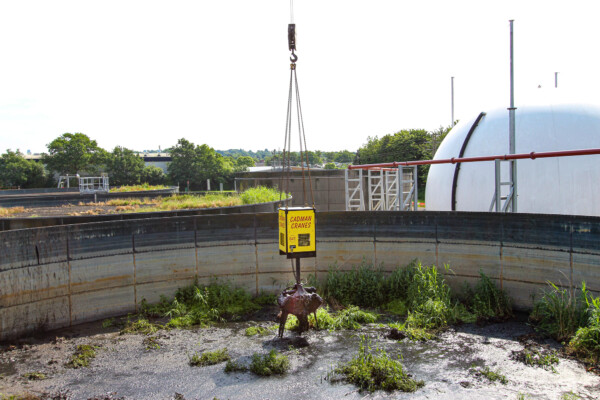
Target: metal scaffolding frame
point(498, 199)
point(376, 191)
point(387, 189)
point(355, 200)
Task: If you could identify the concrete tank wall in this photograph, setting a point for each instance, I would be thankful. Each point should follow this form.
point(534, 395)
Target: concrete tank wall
point(58, 276)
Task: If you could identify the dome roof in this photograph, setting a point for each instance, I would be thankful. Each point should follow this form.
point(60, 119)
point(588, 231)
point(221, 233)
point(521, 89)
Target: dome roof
point(565, 185)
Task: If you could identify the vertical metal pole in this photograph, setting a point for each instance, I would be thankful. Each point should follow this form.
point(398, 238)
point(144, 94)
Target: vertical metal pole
point(298, 270)
point(401, 191)
point(498, 186)
point(362, 193)
point(556, 79)
point(452, 102)
point(416, 183)
point(511, 126)
point(347, 188)
point(399, 188)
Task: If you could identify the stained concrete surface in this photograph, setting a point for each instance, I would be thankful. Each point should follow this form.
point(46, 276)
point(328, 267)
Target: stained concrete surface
point(126, 368)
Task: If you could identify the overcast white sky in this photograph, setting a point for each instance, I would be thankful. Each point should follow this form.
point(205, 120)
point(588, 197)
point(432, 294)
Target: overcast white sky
point(142, 74)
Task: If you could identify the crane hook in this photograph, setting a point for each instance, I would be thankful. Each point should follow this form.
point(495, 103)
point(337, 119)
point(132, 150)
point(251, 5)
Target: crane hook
point(294, 57)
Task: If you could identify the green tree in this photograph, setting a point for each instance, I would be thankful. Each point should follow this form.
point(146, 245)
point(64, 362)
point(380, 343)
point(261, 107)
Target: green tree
point(329, 165)
point(197, 164)
point(73, 153)
point(343, 157)
point(124, 167)
point(153, 175)
point(16, 171)
point(243, 163)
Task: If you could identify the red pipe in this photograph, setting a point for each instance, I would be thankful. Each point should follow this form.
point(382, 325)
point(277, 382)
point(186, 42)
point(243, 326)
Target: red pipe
point(533, 155)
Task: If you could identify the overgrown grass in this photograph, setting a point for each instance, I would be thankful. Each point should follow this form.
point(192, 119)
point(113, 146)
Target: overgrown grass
point(373, 369)
point(268, 364)
point(487, 301)
point(201, 305)
point(82, 356)
point(261, 194)
point(209, 357)
point(571, 319)
point(350, 318)
point(8, 211)
point(137, 188)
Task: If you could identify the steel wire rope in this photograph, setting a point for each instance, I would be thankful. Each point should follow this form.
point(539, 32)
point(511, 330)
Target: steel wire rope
point(303, 137)
point(285, 185)
point(298, 113)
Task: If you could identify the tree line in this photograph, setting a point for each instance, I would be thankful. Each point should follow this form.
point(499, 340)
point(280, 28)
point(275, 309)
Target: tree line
point(192, 164)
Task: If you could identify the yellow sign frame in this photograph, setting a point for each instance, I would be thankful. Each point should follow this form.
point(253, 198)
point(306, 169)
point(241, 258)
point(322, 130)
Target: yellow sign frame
point(297, 228)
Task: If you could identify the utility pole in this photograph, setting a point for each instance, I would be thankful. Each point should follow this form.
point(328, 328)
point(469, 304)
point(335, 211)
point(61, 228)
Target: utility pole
point(556, 79)
point(511, 127)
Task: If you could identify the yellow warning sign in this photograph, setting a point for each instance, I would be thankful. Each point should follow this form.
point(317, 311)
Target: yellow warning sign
point(297, 232)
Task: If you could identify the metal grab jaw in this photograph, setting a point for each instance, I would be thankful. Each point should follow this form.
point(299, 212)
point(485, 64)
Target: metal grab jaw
point(299, 301)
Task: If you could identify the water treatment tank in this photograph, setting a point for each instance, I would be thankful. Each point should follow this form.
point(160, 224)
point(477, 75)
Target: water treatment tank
point(565, 185)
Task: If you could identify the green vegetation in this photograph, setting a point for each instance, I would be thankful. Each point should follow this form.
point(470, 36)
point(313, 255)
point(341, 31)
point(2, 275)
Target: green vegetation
point(537, 358)
point(151, 343)
point(268, 364)
point(34, 376)
point(233, 366)
point(570, 396)
point(261, 194)
point(107, 323)
point(18, 172)
point(418, 293)
point(375, 370)
point(209, 358)
point(198, 305)
point(571, 319)
point(349, 318)
point(487, 301)
point(142, 325)
point(136, 188)
point(82, 356)
point(257, 330)
point(490, 375)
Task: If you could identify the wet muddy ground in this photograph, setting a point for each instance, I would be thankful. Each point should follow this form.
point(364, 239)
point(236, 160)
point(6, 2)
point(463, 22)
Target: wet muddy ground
point(127, 367)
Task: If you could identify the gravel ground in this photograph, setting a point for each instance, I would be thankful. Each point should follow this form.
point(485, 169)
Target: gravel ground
point(126, 368)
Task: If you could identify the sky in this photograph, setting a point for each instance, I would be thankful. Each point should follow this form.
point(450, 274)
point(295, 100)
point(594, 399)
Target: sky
point(142, 74)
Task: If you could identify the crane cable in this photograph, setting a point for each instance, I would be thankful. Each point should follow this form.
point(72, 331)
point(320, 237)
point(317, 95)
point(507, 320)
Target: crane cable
point(294, 94)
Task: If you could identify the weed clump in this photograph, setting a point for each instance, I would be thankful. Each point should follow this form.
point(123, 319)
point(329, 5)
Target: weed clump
point(257, 330)
point(233, 366)
point(82, 356)
point(375, 370)
point(142, 326)
point(490, 375)
point(350, 318)
point(536, 358)
point(34, 376)
point(199, 305)
point(268, 364)
point(209, 357)
point(487, 301)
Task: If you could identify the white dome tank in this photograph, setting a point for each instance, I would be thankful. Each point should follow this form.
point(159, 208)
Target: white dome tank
point(561, 185)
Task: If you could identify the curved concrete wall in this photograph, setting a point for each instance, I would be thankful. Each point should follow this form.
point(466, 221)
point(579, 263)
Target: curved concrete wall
point(63, 275)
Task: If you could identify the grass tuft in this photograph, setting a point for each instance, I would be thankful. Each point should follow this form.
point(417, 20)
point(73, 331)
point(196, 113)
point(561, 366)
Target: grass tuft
point(269, 364)
point(209, 357)
point(375, 370)
point(8, 211)
point(492, 376)
point(82, 356)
